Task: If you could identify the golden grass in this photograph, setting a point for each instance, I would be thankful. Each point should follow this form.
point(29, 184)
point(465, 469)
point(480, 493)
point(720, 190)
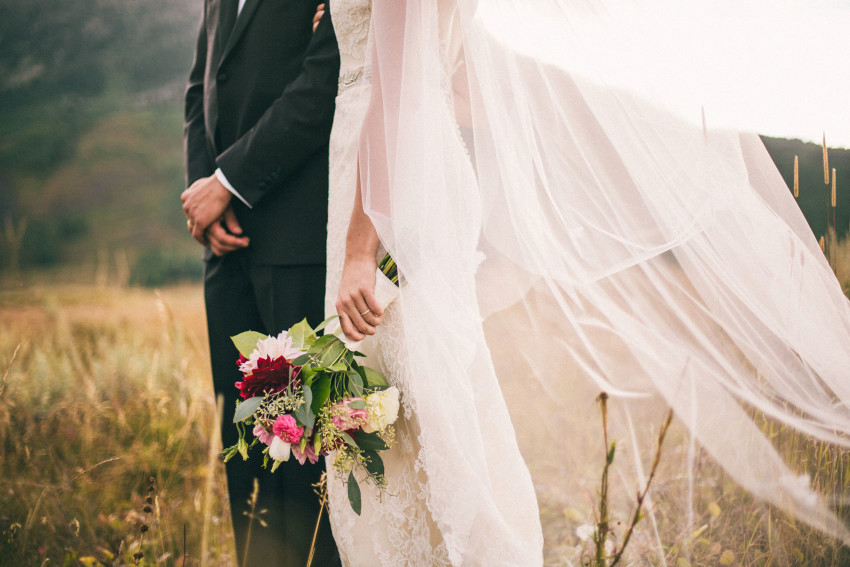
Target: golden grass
point(108, 388)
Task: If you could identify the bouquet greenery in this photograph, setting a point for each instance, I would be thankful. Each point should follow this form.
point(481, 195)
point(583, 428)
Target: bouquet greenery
point(306, 396)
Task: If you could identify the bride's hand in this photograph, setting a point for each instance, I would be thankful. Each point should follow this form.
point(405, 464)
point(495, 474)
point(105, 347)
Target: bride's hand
point(358, 309)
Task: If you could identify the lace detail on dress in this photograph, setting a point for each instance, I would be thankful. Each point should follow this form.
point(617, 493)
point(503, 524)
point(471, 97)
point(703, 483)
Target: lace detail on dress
point(353, 77)
point(351, 24)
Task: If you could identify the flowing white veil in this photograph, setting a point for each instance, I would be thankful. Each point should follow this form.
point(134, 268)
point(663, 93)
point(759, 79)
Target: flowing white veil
point(559, 233)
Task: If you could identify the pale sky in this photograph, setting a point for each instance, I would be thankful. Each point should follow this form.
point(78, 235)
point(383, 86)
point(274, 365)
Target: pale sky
point(784, 75)
point(775, 67)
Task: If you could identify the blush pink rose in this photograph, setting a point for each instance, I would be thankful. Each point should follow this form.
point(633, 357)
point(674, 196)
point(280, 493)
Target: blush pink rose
point(349, 418)
point(286, 428)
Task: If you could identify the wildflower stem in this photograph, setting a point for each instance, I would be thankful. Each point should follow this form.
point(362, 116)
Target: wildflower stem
point(601, 533)
point(322, 487)
point(642, 495)
point(253, 503)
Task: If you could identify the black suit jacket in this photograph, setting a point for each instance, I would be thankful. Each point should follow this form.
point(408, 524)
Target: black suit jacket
point(259, 104)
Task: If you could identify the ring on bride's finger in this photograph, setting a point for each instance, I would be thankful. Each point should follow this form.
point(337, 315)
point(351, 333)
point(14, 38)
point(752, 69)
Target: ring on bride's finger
point(189, 224)
point(367, 311)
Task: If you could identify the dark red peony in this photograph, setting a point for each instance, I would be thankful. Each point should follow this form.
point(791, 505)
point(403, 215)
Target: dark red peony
point(269, 376)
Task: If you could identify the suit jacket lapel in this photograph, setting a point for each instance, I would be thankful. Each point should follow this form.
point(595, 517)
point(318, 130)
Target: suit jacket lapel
point(241, 23)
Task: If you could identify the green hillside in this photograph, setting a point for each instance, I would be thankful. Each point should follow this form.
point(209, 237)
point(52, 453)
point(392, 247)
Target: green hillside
point(814, 194)
point(90, 143)
point(91, 148)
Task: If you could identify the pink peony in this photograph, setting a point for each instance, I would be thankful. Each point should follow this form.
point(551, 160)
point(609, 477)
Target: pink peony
point(264, 436)
point(286, 428)
point(347, 418)
point(307, 454)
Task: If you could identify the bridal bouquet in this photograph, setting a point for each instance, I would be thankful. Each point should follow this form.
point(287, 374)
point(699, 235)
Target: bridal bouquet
point(306, 396)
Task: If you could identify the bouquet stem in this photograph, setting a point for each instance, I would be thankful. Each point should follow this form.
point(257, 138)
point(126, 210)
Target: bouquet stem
point(389, 268)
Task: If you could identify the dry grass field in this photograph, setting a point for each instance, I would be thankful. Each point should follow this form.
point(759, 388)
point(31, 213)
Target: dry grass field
point(109, 387)
point(102, 388)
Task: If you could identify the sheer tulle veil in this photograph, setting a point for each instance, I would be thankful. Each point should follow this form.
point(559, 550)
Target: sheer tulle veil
point(559, 235)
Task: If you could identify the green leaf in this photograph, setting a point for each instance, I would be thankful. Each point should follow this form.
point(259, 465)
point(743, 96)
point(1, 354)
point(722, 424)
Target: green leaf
point(359, 404)
point(321, 393)
point(308, 374)
point(325, 323)
point(247, 408)
point(302, 334)
point(334, 351)
point(304, 414)
point(354, 494)
point(301, 360)
point(246, 342)
point(356, 382)
point(373, 463)
point(372, 378)
point(348, 439)
point(321, 343)
point(338, 367)
point(370, 441)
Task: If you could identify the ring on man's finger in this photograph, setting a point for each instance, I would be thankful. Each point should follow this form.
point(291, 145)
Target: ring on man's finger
point(367, 311)
point(189, 224)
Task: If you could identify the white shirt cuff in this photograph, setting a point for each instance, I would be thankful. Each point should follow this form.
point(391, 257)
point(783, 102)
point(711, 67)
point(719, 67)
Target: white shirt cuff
point(220, 176)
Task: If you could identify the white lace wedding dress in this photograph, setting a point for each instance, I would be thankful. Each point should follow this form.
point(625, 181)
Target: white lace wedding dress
point(394, 529)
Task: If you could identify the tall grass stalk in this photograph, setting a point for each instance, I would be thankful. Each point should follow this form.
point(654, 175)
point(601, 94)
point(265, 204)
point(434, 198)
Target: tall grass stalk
point(214, 448)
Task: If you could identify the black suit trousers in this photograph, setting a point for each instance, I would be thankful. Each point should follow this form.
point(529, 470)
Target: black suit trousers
point(240, 296)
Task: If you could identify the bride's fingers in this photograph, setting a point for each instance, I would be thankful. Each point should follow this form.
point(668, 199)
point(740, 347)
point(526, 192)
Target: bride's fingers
point(349, 306)
point(348, 328)
point(364, 307)
point(373, 305)
point(371, 319)
point(359, 316)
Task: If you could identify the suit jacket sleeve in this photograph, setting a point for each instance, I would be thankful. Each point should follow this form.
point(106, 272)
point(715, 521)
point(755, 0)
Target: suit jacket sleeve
point(199, 162)
point(294, 127)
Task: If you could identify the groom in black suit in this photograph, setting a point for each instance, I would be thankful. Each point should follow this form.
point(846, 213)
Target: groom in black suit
point(258, 112)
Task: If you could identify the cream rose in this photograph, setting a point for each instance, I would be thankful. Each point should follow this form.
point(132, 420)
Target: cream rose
point(381, 409)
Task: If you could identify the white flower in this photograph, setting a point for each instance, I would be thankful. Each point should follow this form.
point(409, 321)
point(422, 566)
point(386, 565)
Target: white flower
point(272, 347)
point(279, 450)
point(585, 532)
point(381, 409)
